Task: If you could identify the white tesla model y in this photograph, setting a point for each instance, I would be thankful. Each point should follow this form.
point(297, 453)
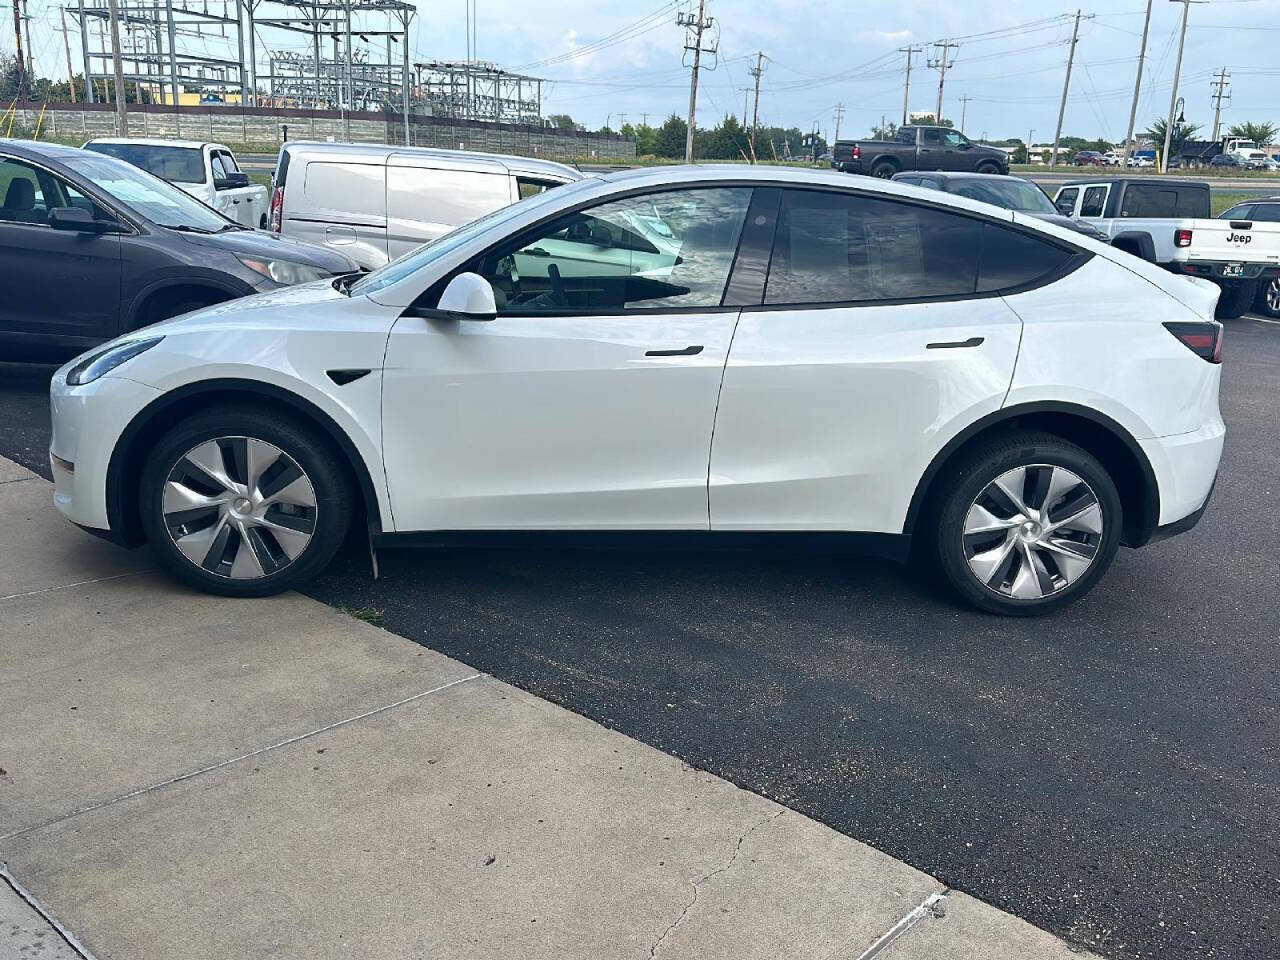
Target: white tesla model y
point(716, 353)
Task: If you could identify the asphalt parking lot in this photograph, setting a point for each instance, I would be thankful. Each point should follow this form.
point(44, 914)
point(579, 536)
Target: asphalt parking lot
point(1111, 773)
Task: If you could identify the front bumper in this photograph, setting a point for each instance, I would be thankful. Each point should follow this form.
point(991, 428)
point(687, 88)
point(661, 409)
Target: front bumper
point(87, 424)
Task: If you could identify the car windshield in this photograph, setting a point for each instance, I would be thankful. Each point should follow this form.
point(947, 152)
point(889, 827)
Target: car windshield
point(158, 201)
point(1010, 194)
point(422, 256)
point(175, 164)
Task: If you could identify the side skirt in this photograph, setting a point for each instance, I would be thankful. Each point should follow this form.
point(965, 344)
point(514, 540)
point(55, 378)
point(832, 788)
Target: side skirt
point(889, 546)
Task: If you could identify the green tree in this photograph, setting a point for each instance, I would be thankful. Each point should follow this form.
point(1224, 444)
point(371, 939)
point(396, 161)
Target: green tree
point(1182, 132)
point(885, 131)
point(562, 121)
point(727, 141)
point(671, 137)
point(1260, 133)
point(929, 121)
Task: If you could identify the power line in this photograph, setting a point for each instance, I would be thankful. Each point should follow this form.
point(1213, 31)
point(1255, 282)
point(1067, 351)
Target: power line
point(941, 64)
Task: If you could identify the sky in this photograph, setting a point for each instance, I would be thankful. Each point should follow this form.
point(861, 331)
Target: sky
point(606, 60)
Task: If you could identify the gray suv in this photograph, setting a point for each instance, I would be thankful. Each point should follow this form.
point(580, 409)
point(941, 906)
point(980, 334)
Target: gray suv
point(94, 247)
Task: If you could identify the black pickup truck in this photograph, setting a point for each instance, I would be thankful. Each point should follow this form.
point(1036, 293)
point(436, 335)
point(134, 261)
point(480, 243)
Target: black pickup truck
point(918, 148)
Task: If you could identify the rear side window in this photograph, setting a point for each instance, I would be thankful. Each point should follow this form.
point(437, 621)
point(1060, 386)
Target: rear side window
point(1160, 200)
point(832, 248)
point(1094, 202)
point(175, 164)
point(529, 187)
point(1267, 213)
point(1011, 258)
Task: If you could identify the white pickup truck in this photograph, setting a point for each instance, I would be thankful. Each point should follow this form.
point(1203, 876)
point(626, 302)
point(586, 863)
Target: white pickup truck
point(207, 171)
point(1170, 222)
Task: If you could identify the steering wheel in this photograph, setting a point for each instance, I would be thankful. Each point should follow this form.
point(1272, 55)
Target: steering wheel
point(558, 295)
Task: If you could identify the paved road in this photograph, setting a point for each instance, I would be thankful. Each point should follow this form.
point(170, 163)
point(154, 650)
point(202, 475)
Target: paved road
point(1111, 773)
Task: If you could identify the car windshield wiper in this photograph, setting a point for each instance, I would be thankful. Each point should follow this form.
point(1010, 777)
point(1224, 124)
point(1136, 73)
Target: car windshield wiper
point(185, 228)
point(342, 283)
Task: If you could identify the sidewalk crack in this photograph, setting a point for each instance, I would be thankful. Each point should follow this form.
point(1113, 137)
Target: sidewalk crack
point(697, 884)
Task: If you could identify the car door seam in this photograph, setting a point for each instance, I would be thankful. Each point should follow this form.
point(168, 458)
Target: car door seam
point(711, 446)
point(1017, 353)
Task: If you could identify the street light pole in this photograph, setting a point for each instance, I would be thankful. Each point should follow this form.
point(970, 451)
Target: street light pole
point(1173, 98)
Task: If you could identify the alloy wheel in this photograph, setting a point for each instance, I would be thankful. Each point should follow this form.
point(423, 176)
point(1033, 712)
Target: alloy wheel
point(1273, 297)
point(1032, 531)
point(239, 507)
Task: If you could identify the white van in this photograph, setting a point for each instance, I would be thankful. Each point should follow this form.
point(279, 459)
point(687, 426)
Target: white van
point(375, 203)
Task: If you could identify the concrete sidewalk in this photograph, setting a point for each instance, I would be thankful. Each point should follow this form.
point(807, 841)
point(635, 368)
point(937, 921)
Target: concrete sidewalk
point(188, 776)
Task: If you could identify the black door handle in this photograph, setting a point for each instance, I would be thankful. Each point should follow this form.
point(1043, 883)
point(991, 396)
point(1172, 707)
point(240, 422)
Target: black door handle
point(686, 352)
point(952, 344)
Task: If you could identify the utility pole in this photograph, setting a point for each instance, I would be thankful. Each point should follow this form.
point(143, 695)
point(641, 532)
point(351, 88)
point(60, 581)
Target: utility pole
point(1137, 85)
point(941, 64)
point(20, 61)
point(1173, 98)
point(1066, 84)
point(694, 28)
point(910, 51)
point(1218, 96)
point(71, 77)
point(122, 113)
point(964, 111)
point(31, 50)
point(1030, 133)
point(756, 72)
point(839, 117)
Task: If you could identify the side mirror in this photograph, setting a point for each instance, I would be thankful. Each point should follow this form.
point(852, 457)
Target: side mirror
point(80, 221)
point(231, 181)
point(468, 296)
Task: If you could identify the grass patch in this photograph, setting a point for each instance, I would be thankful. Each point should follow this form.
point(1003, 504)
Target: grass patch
point(367, 614)
point(1221, 201)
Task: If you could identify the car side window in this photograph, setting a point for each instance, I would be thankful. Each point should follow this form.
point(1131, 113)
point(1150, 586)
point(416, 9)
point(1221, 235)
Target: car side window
point(229, 162)
point(1066, 201)
point(834, 248)
point(1267, 213)
point(1011, 258)
point(215, 164)
point(22, 194)
point(1241, 211)
point(932, 138)
point(955, 138)
point(1094, 202)
point(669, 249)
point(529, 187)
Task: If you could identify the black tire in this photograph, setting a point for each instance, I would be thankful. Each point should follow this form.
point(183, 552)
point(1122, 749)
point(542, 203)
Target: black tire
point(1236, 299)
point(973, 474)
point(988, 168)
point(1267, 302)
point(312, 452)
point(885, 169)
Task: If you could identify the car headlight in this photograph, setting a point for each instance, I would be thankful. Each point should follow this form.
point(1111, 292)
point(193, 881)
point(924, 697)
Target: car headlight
point(104, 361)
point(287, 272)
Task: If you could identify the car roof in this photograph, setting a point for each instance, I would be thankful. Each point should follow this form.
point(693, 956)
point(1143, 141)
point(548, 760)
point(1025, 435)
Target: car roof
point(383, 151)
point(949, 175)
point(39, 150)
point(155, 142)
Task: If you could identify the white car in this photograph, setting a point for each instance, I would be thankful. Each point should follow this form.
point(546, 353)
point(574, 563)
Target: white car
point(207, 171)
point(806, 355)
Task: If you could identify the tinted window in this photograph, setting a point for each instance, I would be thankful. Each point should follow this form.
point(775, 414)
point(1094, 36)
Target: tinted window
point(668, 249)
point(175, 164)
point(906, 135)
point(1241, 211)
point(1066, 201)
point(1011, 194)
point(1267, 213)
point(1095, 200)
point(1159, 200)
point(531, 188)
point(831, 248)
point(22, 199)
point(932, 137)
point(1011, 258)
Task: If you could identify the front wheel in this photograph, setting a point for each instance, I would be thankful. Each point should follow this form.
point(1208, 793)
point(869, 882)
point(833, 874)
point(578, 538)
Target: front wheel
point(241, 503)
point(1027, 524)
point(988, 168)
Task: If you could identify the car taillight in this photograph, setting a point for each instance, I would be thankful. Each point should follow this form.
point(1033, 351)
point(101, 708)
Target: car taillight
point(1182, 238)
point(277, 209)
point(857, 152)
point(1202, 339)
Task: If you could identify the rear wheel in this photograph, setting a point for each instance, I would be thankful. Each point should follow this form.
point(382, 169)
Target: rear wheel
point(1268, 300)
point(241, 503)
point(885, 169)
point(1028, 524)
point(1236, 299)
